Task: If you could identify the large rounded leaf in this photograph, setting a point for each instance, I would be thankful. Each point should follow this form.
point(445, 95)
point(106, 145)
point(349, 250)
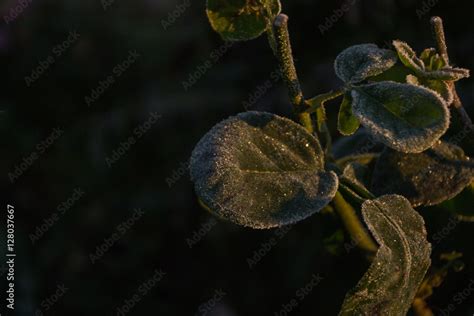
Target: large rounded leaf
point(358, 62)
point(240, 20)
point(427, 178)
point(261, 170)
point(390, 284)
point(405, 117)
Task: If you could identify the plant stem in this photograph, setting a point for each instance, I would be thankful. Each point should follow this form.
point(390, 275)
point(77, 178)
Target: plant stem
point(438, 33)
point(319, 100)
point(284, 55)
point(353, 225)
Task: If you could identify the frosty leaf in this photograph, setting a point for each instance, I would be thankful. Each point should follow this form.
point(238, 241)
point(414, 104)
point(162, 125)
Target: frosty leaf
point(390, 284)
point(261, 170)
point(347, 123)
point(408, 56)
point(357, 63)
point(439, 86)
point(240, 20)
point(427, 178)
point(449, 74)
point(405, 117)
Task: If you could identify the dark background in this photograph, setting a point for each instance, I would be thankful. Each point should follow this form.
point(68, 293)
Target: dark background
point(150, 174)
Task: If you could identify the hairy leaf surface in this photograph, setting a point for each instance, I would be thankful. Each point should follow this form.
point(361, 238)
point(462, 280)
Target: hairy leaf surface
point(408, 56)
point(427, 178)
point(358, 62)
point(261, 170)
point(405, 117)
point(391, 282)
point(240, 20)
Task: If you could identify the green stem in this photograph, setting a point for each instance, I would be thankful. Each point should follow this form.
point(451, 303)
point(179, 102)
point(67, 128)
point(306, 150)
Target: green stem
point(353, 225)
point(284, 55)
point(319, 100)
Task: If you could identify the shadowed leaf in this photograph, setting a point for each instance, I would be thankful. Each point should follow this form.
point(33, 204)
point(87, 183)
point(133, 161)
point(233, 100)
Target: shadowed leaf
point(390, 284)
point(261, 170)
point(240, 20)
point(405, 117)
point(427, 178)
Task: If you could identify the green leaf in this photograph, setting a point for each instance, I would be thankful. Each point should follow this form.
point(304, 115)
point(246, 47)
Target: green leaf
point(427, 178)
point(261, 170)
point(408, 56)
point(390, 284)
point(431, 59)
point(438, 86)
point(405, 117)
point(358, 62)
point(397, 73)
point(347, 123)
point(241, 20)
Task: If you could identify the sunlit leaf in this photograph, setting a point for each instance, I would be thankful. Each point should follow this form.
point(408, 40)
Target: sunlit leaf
point(347, 123)
point(405, 117)
point(261, 170)
point(358, 62)
point(439, 86)
point(427, 178)
point(408, 56)
point(448, 73)
point(390, 284)
point(240, 20)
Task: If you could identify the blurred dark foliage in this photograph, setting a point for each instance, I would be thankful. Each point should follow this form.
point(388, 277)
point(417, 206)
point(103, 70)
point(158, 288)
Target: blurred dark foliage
point(154, 83)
